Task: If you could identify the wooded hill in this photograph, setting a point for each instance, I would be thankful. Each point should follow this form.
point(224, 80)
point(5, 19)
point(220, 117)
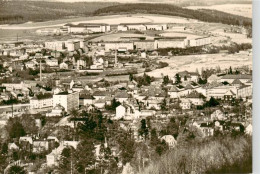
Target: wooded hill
point(166, 9)
point(12, 12)
point(20, 12)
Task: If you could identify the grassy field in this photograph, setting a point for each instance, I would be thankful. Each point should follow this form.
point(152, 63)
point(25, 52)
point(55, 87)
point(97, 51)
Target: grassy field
point(236, 9)
point(193, 62)
point(109, 19)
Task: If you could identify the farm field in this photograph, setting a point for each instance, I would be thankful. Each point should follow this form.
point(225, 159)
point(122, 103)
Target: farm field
point(236, 9)
point(193, 62)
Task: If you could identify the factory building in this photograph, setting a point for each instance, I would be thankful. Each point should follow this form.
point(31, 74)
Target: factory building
point(88, 28)
point(55, 45)
point(141, 27)
point(199, 41)
point(157, 27)
point(118, 45)
point(144, 44)
point(177, 42)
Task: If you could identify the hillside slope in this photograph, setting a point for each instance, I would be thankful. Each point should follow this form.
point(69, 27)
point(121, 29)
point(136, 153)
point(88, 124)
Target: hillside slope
point(166, 9)
point(218, 155)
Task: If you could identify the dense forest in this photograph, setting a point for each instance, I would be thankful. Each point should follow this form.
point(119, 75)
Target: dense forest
point(166, 9)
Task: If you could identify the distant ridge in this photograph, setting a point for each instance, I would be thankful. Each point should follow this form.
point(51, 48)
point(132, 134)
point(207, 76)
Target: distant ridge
point(177, 2)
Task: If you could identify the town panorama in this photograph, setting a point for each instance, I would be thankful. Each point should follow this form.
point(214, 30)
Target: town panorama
point(121, 87)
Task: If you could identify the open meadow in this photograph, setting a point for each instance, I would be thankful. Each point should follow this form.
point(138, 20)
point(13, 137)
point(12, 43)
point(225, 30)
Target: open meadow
point(236, 9)
point(111, 19)
point(193, 62)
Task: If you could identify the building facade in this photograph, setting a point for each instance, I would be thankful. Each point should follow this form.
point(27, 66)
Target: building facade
point(68, 100)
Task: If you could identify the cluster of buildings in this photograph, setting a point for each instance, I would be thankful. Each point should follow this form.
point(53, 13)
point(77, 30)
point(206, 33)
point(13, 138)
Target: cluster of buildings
point(158, 43)
point(164, 42)
point(62, 91)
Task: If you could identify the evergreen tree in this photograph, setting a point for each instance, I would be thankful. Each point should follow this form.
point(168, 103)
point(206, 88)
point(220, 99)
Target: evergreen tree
point(230, 70)
point(143, 131)
point(84, 155)
point(166, 80)
point(177, 79)
point(65, 159)
point(4, 149)
point(131, 77)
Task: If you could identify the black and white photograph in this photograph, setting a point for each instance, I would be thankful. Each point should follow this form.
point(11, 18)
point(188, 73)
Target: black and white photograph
point(126, 87)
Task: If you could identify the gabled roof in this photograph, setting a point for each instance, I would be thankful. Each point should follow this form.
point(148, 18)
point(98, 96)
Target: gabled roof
point(100, 93)
point(195, 94)
point(173, 89)
point(230, 93)
point(237, 76)
point(121, 95)
point(208, 124)
point(188, 86)
point(86, 96)
point(237, 82)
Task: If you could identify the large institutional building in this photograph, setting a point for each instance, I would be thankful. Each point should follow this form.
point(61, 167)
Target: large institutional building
point(68, 100)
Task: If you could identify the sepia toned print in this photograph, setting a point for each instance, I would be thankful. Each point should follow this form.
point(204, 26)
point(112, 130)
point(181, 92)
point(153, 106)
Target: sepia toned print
point(125, 87)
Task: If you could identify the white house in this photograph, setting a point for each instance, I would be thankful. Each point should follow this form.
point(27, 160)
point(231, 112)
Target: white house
point(218, 115)
point(170, 140)
point(64, 65)
point(196, 98)
point(41, 101)
point(28, 139)
point(52, 62)
point(40, 146)
point(53, 158)
point(127, 112)
point(12, 146)
point(185, 103)
point(249, 129)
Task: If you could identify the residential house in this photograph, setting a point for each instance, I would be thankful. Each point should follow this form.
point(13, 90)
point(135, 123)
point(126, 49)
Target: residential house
point(207, 128)
point(53, 158)
point(64, 65)
point(40, 146)
point(86, 99)
point(101, 95)
point(52, 62)
point(185, 104)
point(217, 115)
point(170, 140)
point(249, 129)
point(222, 92)
point(196, 98)
point(173, 92)
point(41, 101)
point(127, 112)
point(188, 76)
point(26, 138)
point(244, 91)
point(237, 83)
point(121, 96)
point(12, 146)
point(213, 78)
